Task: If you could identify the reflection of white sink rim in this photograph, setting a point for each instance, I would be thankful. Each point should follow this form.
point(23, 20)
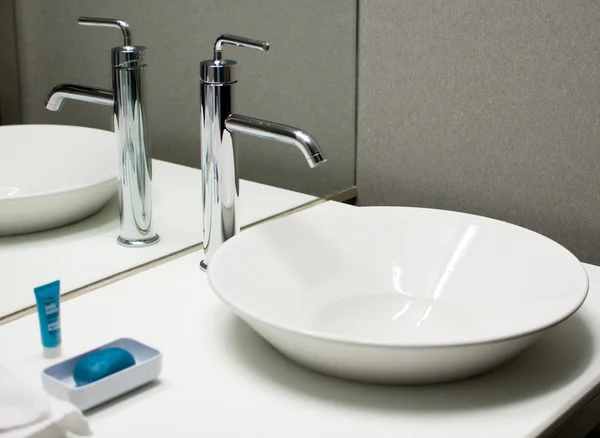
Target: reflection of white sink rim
point(395, 294)
point(52, 175)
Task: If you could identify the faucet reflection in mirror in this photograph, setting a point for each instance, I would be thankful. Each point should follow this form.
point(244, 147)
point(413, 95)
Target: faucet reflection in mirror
point(128, 101)
point(219, 158)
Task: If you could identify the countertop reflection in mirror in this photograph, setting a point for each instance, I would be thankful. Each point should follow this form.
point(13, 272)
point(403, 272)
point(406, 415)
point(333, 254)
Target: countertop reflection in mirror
point(86, 252)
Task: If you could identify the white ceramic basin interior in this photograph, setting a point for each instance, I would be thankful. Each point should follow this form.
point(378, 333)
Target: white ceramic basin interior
point(396, 294)
point(52, 175)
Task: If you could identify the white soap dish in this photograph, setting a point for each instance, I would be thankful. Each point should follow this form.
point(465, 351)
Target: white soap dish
point(58, 379)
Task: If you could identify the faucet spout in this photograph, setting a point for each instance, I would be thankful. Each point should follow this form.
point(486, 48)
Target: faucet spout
point(280, 133)
point(100, 96)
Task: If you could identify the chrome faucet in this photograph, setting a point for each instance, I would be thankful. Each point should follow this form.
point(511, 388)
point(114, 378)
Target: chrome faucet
point(217, 147)
point(129, 113)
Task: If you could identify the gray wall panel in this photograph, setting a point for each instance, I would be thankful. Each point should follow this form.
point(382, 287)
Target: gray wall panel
point(485, 107)
point(10, 102)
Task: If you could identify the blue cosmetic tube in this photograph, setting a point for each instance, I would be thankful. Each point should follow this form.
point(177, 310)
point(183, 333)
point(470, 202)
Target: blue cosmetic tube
point(48, 307)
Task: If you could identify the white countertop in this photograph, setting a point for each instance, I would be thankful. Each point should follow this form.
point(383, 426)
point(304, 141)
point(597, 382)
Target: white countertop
point(220, 379)
point(87, 251)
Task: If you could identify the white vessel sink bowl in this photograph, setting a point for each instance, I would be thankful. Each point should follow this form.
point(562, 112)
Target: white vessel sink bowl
point(395, 294)
point(53, 175)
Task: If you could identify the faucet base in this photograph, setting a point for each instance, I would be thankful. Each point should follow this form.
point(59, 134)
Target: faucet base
point(138, 243)
point(203, 266)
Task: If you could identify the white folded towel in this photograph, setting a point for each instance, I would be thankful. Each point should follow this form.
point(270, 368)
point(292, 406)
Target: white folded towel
point(29, 413)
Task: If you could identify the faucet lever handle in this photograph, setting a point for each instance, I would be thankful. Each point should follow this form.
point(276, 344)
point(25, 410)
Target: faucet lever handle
point(239, 41)
point(109, 22)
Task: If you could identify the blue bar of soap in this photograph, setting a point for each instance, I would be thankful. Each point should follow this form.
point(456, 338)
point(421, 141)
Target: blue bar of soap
point(100, 364)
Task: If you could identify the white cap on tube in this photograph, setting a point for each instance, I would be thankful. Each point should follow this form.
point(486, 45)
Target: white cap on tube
point(52, 352)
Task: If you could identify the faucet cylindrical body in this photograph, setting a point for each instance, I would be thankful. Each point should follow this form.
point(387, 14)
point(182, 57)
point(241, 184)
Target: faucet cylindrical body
point(219, 157)
point(135, 163)
point(218, 125)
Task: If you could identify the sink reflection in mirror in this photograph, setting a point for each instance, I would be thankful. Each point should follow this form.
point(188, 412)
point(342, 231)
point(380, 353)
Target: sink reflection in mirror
point(51, 176)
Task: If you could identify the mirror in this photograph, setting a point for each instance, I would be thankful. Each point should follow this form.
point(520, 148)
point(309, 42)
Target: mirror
point(307, 79)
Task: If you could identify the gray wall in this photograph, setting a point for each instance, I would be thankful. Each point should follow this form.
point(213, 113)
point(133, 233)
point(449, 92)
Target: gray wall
point(487, 107)
point(307, 79)
point(10, 111)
